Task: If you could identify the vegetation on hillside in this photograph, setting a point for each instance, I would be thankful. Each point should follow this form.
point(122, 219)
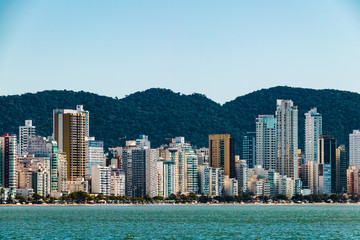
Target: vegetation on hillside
point(161, 113)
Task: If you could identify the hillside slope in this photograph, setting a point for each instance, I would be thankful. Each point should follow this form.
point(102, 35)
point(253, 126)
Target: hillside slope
point(161, 113)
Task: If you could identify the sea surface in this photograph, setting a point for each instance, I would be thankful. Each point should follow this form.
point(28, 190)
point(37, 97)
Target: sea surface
point(181, 222)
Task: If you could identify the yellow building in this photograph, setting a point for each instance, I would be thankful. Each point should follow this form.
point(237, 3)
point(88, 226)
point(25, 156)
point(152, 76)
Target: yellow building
point(69, 131)
point(222, 153)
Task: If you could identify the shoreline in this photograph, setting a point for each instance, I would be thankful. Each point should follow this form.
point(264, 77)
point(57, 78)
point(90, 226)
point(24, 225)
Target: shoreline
point(180, 204)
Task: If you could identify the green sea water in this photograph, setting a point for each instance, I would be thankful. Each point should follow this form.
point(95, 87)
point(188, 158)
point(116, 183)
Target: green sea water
point(181, 222)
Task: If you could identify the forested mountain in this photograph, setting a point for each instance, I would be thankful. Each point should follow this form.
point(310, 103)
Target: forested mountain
point(161, 113)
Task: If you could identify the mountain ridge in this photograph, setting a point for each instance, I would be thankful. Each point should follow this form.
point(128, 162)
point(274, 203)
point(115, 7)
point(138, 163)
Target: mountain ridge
point(162, 113)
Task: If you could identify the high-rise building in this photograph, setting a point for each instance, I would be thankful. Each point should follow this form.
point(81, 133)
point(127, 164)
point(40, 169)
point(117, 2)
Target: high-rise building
point(160, 177)
point(204, 179)
point(62, 172)
point(217, 181)
point(327, 158)
point(354, 148)
point(266, 147)
point(138, 172)
point(242, 175)
point(140, 167)
point(53, 156)
point(191, 168)
point(353, 180)
point(70, 127)
point(287, 138)
point(94, 154)
point(222, 153)
point(249, 149)
point(8, 155)
point(341, 168)
point(313, 129)
point(151, 172)
point(169, 178)
point(24, 133)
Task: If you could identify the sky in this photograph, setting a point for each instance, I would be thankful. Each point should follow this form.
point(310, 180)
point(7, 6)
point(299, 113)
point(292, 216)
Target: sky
point(222, 49)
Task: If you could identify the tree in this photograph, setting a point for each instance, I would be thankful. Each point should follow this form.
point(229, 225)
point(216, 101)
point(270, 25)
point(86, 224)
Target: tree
point(79, 197)
point(193, 197)
point(335, 197)
point(148, 198)
point(21, 199)
point(298, 198)
point(173, 197)
point(158, 198)
point(204, 199)
point(281, 197)
point(37, 197)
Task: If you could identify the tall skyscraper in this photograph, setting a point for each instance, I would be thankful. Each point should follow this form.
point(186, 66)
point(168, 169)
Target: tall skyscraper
point(342, 165)
point(24, 133)
point(249, 149)
point(354, 148)
point(8, 155)
point(191, 166)
point(313, 129)
point(327, 163)
point(69, 130)
point(222, 153)
point(266, 148)
point(287, 138)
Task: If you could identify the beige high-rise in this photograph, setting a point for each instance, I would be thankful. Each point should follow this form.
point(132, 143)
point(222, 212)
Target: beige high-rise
point(69, 132)
point(222, 153)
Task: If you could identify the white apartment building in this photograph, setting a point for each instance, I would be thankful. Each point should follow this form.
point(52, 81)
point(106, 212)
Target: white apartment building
point(354, 148)
point(313, 130)
point(100, 180)
point(24, 133)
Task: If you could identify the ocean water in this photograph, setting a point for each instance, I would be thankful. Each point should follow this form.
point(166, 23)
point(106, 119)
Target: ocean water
point(181, 222)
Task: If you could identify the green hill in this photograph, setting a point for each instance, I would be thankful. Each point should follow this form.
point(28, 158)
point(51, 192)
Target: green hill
point(161, 113)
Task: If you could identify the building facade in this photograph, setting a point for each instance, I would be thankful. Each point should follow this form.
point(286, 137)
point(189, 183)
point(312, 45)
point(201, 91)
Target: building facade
point(266, 144)
point(8, 156)
point(70, 127)
point(313, 130)
point(24, 133)
point(354, 148)
point(249, 149)
point(222, 153)
point(287, 138)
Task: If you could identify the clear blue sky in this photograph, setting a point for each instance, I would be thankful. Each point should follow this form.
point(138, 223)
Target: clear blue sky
point(219, 48)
